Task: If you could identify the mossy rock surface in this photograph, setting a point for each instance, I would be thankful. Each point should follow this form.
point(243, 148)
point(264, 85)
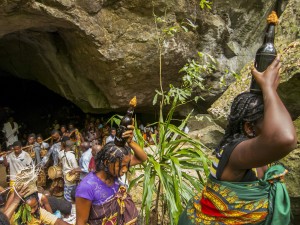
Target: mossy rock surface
point(289, 88)
point(287, 41)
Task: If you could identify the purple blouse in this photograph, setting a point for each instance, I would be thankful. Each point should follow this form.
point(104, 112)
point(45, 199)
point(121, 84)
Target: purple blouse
point(95, 190)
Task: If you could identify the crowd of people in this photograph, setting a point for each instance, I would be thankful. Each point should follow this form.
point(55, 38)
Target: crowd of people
point(245, 185)
point(72, 165)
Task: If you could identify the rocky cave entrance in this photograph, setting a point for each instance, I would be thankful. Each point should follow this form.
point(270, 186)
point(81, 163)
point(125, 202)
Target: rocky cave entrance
point(38, 80)
point(34, 106)
point(56, 54)
point(39, 73)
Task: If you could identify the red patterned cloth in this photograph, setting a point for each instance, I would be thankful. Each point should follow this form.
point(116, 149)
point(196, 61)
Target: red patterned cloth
point(92, 165)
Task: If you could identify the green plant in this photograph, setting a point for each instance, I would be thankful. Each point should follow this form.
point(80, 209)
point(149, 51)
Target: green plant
point(189, 24)
point(166, 177)
point(23, 214)
point(205, 4)
point(166, 181)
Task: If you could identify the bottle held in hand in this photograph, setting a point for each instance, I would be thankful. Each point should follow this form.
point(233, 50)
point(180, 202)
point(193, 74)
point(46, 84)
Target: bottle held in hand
point(126, 120)
point(266, 54)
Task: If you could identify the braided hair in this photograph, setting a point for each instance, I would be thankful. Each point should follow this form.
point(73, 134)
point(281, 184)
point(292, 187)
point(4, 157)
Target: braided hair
point(111, 153)
point(246, 107)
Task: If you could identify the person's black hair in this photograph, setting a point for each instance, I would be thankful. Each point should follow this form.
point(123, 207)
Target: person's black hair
point(73, 135)
point(246, 107)
point(39, 135)
point(54, 132)
point(111, 153)
point(71, 124)
point(17, 143)
point(65, 138)
point(113, 128)
point(63, 126)
point(32, 135)
point(3, 219)
point(36, 214)
point(62, 205)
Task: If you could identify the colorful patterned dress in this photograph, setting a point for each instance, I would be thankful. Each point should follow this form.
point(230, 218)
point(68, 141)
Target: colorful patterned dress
point(110, 205)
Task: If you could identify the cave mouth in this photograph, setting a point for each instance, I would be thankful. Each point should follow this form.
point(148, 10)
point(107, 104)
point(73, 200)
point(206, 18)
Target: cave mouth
point(34, 106)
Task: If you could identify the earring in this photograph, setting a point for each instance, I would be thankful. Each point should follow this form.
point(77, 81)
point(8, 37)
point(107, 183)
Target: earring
point(106, 169)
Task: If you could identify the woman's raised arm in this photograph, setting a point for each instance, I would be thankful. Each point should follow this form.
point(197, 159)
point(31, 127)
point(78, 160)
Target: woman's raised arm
point(277, 136)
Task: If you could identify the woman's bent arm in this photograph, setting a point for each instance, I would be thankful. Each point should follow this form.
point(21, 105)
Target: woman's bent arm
point(278, 136)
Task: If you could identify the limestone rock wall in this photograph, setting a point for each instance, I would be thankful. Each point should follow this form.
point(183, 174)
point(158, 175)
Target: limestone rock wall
point(203, 128)
point(287, 43)
point(98, 54)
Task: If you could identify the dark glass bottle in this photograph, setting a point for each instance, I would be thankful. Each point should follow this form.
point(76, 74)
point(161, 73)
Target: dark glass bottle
point(264, 56)
point(125, 121)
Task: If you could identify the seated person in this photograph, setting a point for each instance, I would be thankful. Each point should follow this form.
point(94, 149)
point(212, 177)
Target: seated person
point(15, 209)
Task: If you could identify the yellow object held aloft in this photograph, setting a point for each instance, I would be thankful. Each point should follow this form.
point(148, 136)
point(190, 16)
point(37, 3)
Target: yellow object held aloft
point(133, 102)
point(273, 18)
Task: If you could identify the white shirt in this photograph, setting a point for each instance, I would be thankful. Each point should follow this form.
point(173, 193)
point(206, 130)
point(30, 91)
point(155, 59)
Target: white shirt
point(18, 163)
point(141, 127)
point(85, 160)
point(68, 162)
point(44, 145)
point(110, 138)
point(10, 133)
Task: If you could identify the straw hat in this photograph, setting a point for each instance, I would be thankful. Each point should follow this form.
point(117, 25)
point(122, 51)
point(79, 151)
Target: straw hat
point(27, 177)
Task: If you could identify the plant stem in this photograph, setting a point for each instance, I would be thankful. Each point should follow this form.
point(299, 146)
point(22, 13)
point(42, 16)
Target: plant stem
point(160, 75)
point(157, 201)
point(159, 44)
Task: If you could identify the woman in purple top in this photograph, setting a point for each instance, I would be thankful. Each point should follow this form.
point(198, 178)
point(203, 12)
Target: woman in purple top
point(100, 198)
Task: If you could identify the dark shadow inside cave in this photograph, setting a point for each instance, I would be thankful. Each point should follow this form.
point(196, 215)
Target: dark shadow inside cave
point(34, 106)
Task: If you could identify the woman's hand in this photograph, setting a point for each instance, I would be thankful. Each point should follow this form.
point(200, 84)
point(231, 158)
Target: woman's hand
point(14, 200)
point(20, 192)
point(270, 77)
point(76, 170)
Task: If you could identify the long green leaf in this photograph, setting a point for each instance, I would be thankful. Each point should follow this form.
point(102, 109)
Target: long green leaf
point(134, 182)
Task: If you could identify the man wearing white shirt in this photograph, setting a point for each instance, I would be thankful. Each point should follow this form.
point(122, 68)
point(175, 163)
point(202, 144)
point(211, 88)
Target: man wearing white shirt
point(11, 130)
point(112, 135)
point(69, 165)
point(17, 161)
point(85, 159)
